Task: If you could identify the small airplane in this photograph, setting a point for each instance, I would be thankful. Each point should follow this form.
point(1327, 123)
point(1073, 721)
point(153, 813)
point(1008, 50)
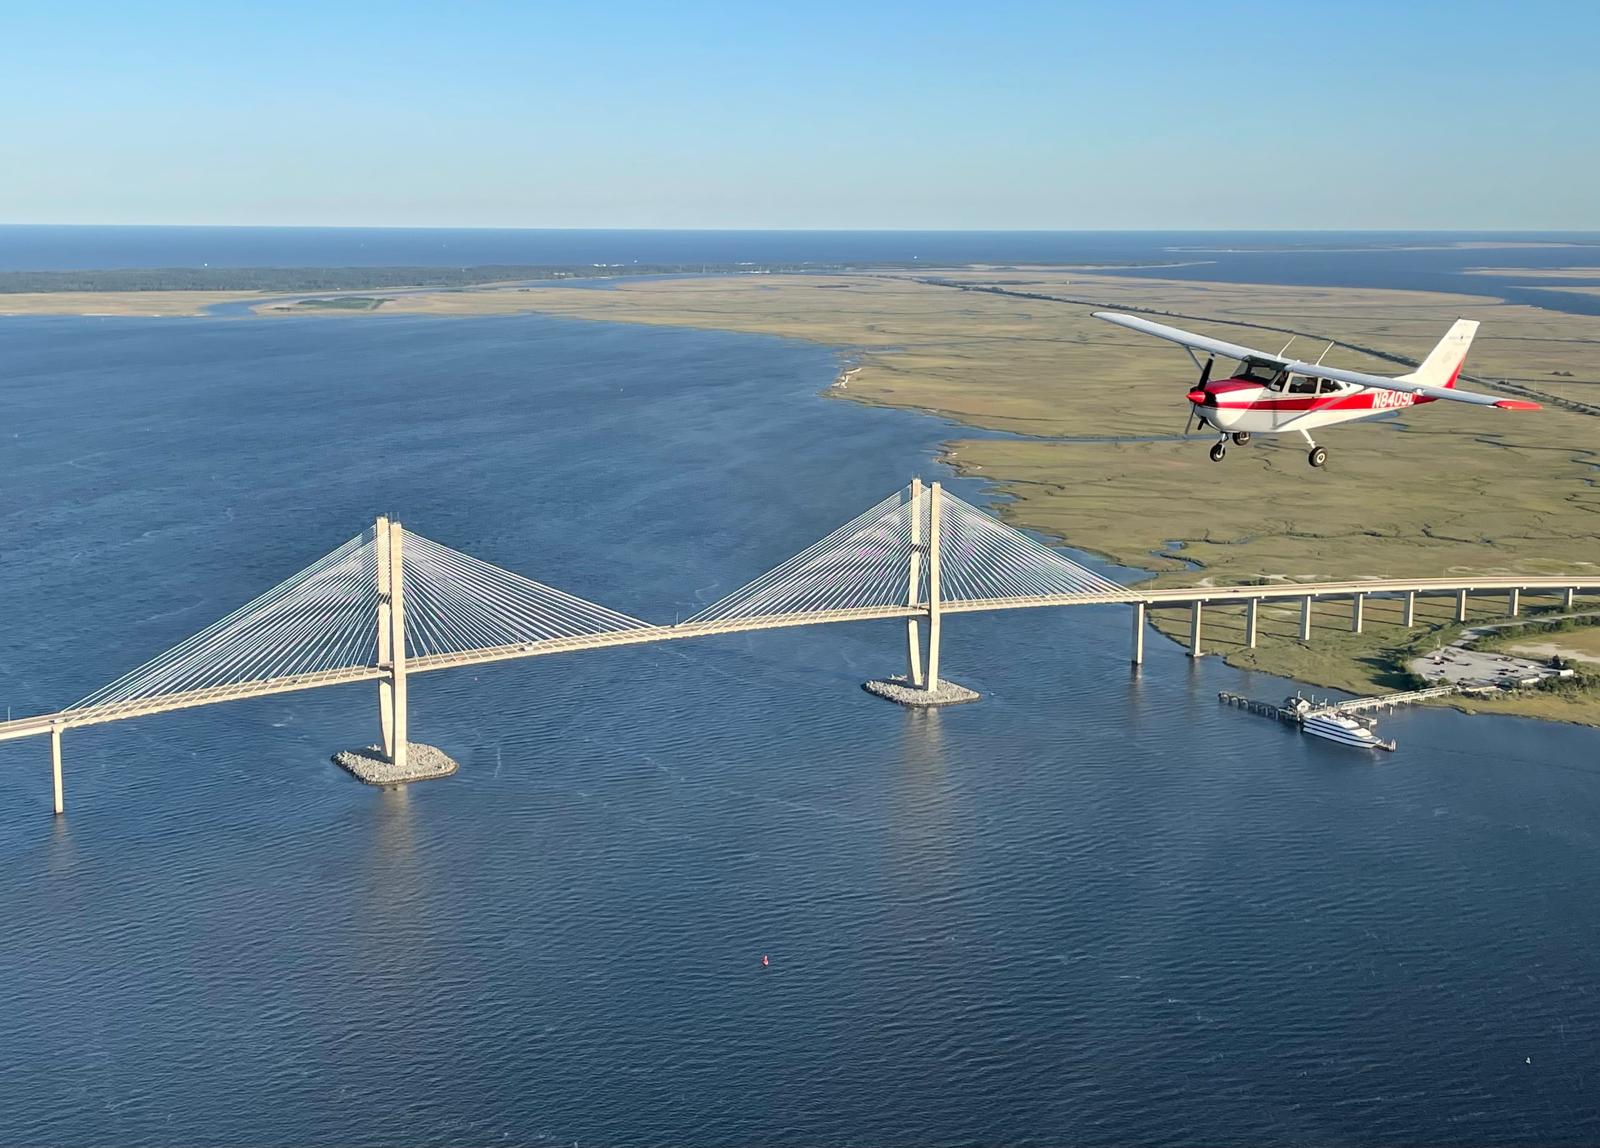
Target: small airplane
point(1271, 394)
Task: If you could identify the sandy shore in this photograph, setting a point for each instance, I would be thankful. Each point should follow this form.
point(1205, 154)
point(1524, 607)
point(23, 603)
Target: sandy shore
point(145, 303)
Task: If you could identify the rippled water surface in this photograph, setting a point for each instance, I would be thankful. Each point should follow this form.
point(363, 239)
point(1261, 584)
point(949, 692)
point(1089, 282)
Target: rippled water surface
point(1092, 908)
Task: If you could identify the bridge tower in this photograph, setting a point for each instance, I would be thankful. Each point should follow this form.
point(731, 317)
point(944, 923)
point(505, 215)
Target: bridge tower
point(913, 630)
point(922, 686)
point(389, 542)
point(934, 552)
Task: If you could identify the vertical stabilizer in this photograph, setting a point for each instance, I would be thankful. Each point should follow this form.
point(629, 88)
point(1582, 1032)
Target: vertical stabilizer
point(1443, 363)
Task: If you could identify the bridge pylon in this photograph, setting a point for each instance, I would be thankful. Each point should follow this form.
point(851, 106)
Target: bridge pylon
point(380, 536)
point(922, 687)
point(389, 541)
point(914, 499)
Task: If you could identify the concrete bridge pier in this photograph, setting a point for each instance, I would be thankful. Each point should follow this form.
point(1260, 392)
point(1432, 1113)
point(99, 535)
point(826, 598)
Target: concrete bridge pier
point(923, 689)
point(1305, 618)
point(1358, 604)
point(934, 621)
point(1252, 617)
point(397, 760)
point(1514, 602)
point(1569, 597)
point(914, 579)
point(385, 637)
point(1138, 633)
point(397, 647)
point(1461, 605)
point(55, 765)
point(1197, 612)
point(1410, 618)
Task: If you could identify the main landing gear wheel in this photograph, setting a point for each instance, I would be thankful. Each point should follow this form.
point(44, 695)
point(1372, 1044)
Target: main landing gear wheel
point(1318, 456)
point(1240, 437)
point(1218, 450)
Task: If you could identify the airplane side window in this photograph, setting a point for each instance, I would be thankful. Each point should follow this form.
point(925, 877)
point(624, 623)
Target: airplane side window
point(1302, 385)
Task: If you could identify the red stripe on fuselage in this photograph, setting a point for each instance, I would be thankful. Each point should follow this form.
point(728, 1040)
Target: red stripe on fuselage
point(1259, 398)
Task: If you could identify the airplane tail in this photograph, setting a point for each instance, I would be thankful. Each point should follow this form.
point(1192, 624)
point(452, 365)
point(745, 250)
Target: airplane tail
point(1443, 363)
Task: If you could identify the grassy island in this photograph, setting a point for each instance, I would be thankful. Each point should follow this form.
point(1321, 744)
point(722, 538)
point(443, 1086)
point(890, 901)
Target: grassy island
point(1097, 460)
point(1095, 457)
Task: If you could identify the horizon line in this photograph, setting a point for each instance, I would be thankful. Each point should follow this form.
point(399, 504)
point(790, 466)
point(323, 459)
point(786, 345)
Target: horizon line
point(845, 230)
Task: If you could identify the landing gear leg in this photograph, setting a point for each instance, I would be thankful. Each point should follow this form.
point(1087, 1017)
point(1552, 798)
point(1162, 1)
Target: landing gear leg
point(1218, 450)
point(1318, 456)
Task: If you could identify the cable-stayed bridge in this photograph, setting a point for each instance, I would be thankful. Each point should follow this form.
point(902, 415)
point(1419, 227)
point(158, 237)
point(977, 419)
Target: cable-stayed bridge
point(390, 603)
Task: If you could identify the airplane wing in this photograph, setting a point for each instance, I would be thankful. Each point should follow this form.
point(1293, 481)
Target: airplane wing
point(1197, 342)
point(1358, 378)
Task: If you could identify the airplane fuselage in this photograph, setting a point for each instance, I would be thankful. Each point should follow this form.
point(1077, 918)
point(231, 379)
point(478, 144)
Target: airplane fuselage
point(1246, 406)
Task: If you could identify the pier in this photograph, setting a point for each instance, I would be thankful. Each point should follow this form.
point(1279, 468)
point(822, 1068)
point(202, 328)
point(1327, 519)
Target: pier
point(390, 604)
point(1391, 701)
point(1350, 706)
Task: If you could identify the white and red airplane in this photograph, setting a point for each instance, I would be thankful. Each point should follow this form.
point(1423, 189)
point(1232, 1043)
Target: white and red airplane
point(1270, 394)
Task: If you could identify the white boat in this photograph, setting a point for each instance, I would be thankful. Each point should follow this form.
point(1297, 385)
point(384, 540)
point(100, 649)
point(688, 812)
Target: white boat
point(1344, 730)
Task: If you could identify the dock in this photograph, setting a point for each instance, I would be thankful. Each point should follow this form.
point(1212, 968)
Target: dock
point(1265, 709)
point(1389, 701)
point(1312, 707)
point(1300, 710)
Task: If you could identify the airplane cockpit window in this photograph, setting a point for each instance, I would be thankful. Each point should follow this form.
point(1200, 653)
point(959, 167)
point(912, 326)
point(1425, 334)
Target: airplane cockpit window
point(1268, 374)
point(1259, 372)
point(1302, 385)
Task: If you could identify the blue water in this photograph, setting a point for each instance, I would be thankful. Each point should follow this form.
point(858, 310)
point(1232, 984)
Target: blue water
point(1414, 260)
point(1093, 908)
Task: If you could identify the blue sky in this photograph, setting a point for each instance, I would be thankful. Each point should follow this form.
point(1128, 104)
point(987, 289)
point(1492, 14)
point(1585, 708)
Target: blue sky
point(995, 114)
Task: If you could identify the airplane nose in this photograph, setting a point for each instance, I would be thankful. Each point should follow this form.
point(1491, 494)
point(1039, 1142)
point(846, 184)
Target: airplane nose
point(1198, 396)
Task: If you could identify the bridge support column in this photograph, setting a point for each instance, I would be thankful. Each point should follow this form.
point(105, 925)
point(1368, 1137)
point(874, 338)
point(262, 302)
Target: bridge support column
point(1569, 597)
point(933, 590)
point(1410, 616)
point(913, 629)
point(1138, 633)
point(380, 542)
point(55, 766)
point(397, 761)
point(923, 688)
point(1197, 612)
point(1252, 620)
point(1305, 618)
point(1461, 605)
point(1514, 602)
point(397, 644)
point(1358, 603)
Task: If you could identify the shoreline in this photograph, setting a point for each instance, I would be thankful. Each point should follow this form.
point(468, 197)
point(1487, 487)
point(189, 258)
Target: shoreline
point(1033, 381)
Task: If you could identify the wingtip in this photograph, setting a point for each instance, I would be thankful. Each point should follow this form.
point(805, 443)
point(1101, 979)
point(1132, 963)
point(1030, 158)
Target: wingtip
point(1518, 405)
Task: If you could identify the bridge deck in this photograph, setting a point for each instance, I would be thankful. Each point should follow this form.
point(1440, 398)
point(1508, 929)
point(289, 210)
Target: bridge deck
point(96, 715)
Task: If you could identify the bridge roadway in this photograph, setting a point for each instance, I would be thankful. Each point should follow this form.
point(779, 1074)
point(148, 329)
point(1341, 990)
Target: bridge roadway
point(1192, 596)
